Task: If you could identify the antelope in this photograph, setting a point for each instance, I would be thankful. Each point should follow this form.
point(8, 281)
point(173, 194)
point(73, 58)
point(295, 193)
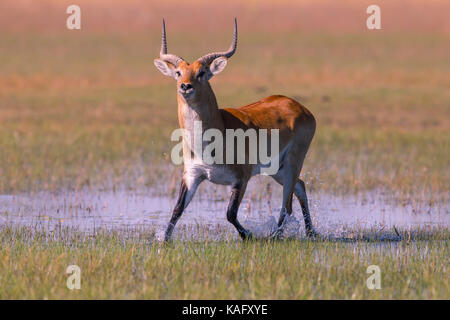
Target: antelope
point(196, 102)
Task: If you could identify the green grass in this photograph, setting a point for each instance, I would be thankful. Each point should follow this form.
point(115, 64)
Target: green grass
point(129, 265)
point(33, 266)
point(97, 113)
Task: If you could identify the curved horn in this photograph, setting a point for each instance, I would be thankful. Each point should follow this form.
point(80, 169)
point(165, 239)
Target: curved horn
point(208, 58)
point(171, 58)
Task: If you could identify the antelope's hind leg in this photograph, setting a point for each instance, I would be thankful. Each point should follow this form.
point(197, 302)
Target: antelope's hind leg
point(237, 194)
point(286, 206)
point(300, 193)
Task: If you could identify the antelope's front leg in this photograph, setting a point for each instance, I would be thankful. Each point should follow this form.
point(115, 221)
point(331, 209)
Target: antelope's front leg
point(184, 197)
point(237, 194)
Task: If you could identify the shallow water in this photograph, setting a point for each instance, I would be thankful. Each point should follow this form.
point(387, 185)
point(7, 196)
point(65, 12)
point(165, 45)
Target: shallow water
point(333, 216)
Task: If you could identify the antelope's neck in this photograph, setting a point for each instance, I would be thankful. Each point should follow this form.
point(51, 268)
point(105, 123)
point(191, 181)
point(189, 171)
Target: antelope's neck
point(204, 109)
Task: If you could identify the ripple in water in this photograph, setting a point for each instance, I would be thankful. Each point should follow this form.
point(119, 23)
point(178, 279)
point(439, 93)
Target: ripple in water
point(333, 216)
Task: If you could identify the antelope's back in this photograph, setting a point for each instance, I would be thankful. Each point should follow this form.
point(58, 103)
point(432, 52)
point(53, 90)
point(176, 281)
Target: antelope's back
point(273, 112)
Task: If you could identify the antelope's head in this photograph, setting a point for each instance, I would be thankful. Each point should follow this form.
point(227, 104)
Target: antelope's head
point(193, 79)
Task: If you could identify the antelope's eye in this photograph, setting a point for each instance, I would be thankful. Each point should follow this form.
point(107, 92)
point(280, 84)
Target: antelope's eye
point(178, 73)
point(201, 74)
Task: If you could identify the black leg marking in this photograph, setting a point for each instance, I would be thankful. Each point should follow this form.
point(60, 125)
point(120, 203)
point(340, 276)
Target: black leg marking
point(303, 199)
point(283, 212)
point(177, 211)
point(232, 210)
point(300, 193)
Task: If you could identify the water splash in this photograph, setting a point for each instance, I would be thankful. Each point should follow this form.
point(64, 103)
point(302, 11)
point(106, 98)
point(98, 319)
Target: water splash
point(334, 217)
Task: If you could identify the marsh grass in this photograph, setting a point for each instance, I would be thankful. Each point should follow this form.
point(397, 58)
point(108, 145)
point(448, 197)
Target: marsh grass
point(88, 109)
point(129, 265)
point(77, 120)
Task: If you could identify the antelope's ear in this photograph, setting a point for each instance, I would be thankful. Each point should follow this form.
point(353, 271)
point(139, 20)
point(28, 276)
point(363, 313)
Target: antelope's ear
point(166, 68)
point(217, 66)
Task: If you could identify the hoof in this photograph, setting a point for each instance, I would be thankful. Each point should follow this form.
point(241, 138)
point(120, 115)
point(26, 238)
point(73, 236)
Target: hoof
point(168, 239)
point(277, 235)
point(168, 242)
point(312, 234)
point(246, 235)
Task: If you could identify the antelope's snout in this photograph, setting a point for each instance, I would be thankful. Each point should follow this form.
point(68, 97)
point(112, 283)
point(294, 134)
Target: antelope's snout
point(186, 89)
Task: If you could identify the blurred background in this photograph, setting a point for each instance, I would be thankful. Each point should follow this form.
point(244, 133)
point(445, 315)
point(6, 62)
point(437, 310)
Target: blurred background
point(88, 109)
